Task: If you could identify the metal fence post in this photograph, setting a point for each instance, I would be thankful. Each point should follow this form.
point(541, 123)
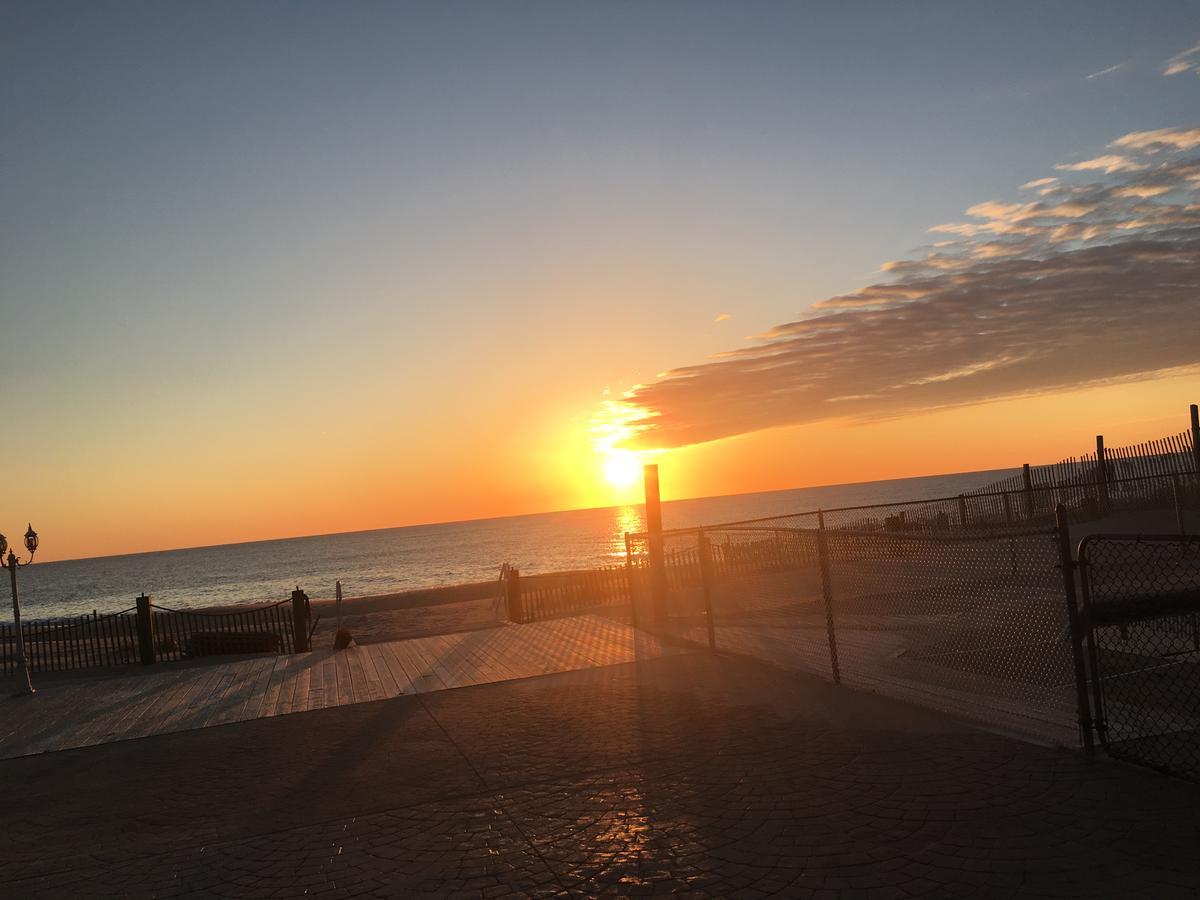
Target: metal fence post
point(827, 592)
point(1077, 625)
point(145, 630)
point(1178, 500)
point(705, 582)
point(300, 620)
point(633, 605)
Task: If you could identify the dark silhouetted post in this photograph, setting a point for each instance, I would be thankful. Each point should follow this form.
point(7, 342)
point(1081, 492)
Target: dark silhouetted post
point(1027, 477)
point(706, 582)
point(516, 611)
point(654, 529)
point(1196, 438)
point(827, 592)
point(1102, 472)
point(1082, 707)
point(962, 511)
point(300, 620)
point(145, 630)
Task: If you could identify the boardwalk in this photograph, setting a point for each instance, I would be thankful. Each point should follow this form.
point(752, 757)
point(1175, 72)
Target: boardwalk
point(84, 710)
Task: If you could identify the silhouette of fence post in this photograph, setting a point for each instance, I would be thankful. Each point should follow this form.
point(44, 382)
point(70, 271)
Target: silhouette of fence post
point(1102, 472)
point(300, 619)
point(1196, 438)
point(145, 630)
point(654, 528)
point(827, 593)
point(1178, 501)
point(706, 584)
point(516, 610)
point(1077, 627)
point(1027, 478)
point(962, 512)
point(633, 608)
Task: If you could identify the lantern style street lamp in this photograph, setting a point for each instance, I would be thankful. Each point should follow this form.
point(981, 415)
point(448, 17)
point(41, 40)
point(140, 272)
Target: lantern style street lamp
point(24, 685)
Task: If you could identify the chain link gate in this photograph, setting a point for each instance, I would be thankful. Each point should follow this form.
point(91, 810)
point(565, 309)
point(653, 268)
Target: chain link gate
point(1141, 623)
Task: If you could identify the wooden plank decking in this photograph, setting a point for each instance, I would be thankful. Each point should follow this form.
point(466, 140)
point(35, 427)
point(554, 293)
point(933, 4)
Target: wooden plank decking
point(80, 711)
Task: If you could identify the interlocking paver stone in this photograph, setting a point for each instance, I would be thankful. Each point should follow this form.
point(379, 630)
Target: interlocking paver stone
point(693, 775)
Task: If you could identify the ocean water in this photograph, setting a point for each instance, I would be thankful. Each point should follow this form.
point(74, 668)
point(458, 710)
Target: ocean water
point(418, 556)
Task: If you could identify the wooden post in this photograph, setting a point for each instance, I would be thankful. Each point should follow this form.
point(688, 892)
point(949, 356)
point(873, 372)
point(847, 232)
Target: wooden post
point(516, 610)
point(654, 529)
point(1178, 501)
point(337, 591)
point(1007, 509)
point(300, 620)
point(1196, 438)
point(962, 511)
point(145, 630)
point(1027, 477)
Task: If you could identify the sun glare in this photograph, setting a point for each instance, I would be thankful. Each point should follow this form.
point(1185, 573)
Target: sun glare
point(622, 468)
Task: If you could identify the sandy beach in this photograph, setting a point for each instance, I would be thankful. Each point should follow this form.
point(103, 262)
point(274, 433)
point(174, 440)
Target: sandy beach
point(421, 612)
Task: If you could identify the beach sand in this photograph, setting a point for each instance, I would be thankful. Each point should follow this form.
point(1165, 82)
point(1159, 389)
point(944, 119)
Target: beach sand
point(389, 617)
point(419, 613)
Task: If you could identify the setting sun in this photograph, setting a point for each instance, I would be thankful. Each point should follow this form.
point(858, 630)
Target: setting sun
point(622, 468)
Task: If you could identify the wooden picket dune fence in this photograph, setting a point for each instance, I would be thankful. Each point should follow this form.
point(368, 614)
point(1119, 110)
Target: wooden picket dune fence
point(95, 641)
point(74, 642)
point(180, 633)
point(1174, 454)
point(571, 593)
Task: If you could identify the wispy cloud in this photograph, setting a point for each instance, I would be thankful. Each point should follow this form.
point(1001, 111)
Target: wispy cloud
point(1107, 164)
point(1094, 281)
point(723, 317)
point(1161, 139)
point(1111, 70)
point(1188, 59)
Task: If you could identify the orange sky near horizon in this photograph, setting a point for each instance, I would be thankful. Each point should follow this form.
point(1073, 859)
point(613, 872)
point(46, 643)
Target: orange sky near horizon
point(544, 462)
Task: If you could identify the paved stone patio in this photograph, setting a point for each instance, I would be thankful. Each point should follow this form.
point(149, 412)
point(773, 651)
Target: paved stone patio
point(689, 774)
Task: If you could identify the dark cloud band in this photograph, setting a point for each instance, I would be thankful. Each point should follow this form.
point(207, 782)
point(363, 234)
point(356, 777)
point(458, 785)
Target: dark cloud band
point(1085, 284)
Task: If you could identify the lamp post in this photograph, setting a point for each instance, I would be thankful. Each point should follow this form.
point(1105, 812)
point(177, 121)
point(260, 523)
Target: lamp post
point(24, 685)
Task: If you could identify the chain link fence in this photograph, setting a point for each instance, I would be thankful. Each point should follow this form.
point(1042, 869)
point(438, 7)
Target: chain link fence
point(957, 603)
point(1141, 603)
point(966, 604)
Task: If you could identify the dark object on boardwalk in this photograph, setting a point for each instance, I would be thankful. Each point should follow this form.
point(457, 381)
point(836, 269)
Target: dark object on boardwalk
point(342, 639)
point(215, 643)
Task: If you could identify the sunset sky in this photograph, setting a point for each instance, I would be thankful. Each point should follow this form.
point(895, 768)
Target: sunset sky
point(279, 269)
